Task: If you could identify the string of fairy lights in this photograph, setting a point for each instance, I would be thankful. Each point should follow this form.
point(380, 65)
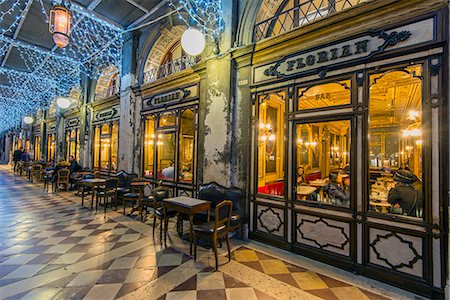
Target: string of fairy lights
point(94, 45)
point(206, 15)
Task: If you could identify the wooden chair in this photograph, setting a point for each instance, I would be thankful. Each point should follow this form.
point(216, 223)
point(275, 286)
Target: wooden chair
point(147, 200)
point(36, 173)
point(217, 229)
point(159, 212)
point(109, 190)
point(62, 177)
point(133, 197)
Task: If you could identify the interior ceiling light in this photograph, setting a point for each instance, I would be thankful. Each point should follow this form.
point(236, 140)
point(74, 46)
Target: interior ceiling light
point(59, 25)
point(193, 41)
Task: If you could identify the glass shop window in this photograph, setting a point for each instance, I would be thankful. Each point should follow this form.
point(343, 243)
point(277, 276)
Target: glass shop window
point(323, 162)
point(51, 143)
point(324, 95)
point(96, 147)
point(114, 146)
point(105, 145)
point(395, 142)
point(167, 119)
point(165, 146)
point(271, 144)
point(187, 135)
point(171, 144)
point(73, 145)
point(37, 148)
point(149, 146)
point(106, 141)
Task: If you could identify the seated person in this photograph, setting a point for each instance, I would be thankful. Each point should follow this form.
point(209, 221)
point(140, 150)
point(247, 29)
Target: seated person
point(74, 166)
point(62, 164)
point(301, 176)
point(335, 191)
point(407, 194)
point(168, 172)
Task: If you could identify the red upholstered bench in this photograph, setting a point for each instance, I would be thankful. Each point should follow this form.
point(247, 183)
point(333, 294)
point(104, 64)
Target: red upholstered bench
point(275, 188)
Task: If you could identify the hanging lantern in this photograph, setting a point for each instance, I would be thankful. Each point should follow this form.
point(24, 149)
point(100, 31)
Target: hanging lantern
point(193, 41)
point(59, 25)
point(28, 120)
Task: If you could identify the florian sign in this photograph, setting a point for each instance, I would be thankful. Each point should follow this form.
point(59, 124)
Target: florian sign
point(171, 97)
point(357, 49)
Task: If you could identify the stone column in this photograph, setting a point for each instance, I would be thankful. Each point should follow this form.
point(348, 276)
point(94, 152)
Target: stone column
point(84, 129)
point(217, 109)
point(127, 125)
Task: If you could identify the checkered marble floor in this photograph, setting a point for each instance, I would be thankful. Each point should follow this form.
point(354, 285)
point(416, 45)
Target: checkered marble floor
point(53, 248)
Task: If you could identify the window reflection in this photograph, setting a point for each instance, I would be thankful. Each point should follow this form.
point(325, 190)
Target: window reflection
point(323, 162)
point(395, 142)
point(271, 144)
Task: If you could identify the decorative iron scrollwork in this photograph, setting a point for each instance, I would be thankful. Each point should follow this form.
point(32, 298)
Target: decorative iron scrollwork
point(272, 71)
point(391, 39)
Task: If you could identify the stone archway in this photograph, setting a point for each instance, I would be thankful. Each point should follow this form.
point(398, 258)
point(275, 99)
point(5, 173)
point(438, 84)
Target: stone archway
point(105, 86)
point(166, 40)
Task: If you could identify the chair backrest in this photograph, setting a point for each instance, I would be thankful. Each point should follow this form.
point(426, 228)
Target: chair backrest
point(148, 190)
point(223, 214)
point(63, 175)
point(161, 193)
point(216, 193)
point(37, 168)
point(111, 184)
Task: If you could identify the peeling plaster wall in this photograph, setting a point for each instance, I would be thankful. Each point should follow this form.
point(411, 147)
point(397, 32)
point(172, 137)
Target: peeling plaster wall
point(127, 103)
point(216, 162)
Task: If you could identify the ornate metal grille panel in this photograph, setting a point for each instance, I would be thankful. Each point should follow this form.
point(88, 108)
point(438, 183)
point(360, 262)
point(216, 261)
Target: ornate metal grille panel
point(171, 67)
point(304, 13)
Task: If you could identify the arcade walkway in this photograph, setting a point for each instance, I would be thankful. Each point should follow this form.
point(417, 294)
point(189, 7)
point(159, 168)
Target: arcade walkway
point(52, 248)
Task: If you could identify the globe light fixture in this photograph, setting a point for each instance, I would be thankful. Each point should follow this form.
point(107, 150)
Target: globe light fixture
point(28, 120)
point(59, 25)
point(63, 103)
point(193, 41)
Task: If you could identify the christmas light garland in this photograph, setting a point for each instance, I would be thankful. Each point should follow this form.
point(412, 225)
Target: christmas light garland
point(94, 44)
point(206, 15)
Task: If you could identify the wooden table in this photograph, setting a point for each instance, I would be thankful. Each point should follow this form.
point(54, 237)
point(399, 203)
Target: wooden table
point(303, 191)
point(190, 207)
point(94, 183)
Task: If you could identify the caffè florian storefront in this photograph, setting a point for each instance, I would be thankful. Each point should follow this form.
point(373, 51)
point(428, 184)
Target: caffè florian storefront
point(349, 153)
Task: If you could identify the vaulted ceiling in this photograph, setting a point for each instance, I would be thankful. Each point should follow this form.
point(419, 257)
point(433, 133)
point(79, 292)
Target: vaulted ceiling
point(33, 70)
